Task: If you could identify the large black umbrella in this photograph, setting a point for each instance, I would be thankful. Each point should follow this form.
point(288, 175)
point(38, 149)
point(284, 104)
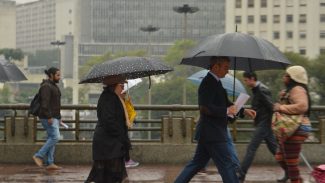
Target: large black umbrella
point(10, 72)
point(128, 67)
point(246, 52)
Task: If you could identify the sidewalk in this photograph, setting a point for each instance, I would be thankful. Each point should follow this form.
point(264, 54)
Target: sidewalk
point(148, 173)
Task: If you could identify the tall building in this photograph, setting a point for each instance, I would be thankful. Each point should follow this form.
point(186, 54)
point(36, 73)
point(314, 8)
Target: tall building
point(35, 25)
point(7, 24)
point(292, 25)
point(108, 25)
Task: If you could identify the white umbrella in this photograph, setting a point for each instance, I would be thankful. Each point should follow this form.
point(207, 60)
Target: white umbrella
point(131, 83)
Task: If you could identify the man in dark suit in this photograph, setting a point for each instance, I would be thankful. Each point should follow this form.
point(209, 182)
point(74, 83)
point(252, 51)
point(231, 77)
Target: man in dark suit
point(215, 108)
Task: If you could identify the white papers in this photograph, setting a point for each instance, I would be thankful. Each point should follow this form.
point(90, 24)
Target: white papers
point(241, 100)
point(64, 125)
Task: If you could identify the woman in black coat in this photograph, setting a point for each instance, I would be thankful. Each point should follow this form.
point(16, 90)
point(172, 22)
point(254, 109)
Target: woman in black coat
point(111, 142)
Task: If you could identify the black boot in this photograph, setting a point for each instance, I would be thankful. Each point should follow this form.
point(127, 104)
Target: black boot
point(284, 178)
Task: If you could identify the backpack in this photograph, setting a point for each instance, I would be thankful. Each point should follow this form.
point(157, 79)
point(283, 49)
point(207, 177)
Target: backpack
point(35, 105)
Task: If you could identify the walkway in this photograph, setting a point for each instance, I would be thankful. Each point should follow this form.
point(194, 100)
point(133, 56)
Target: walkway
point(12, 173)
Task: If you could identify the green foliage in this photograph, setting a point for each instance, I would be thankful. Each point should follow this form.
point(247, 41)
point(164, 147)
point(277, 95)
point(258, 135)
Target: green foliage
point(317, 84)
point(5, 95)
point(12, 54)
point(66, 95)
point(176, 52)
point(49, 58)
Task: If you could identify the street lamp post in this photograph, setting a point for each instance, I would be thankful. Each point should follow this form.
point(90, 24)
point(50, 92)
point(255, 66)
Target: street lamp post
point(149, 29)
point(185, 9)
point(58, 43)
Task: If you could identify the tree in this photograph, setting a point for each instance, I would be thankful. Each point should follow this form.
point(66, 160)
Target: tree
point(49, 58)
point(12, 54)
point(317, 77)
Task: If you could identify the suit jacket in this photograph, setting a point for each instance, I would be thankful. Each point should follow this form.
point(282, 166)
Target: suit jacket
point(111, 134)
point(213, 103)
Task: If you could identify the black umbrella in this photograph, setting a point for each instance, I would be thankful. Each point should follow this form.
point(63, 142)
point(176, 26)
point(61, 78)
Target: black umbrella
point(10, 72)
point(128, 67)
point(246, 52)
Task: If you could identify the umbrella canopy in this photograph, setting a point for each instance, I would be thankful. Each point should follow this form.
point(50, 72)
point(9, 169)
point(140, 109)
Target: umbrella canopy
point(10, 72)
point(227, 82)
point(128, 67)
point(246, 52)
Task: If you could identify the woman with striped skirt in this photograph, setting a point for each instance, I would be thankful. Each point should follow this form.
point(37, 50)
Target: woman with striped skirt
point(295, 100)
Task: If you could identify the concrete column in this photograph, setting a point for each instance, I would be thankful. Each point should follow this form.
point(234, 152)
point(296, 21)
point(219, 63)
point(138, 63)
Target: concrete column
point(177, 130)
point(19, 130)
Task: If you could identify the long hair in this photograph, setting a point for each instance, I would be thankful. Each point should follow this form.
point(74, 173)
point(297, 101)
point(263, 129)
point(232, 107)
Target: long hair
point(51, 71)
point(292, 84)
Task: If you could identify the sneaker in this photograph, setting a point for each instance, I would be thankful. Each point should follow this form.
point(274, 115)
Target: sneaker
point(131, 164)
point(53, 167)
point(38, 161)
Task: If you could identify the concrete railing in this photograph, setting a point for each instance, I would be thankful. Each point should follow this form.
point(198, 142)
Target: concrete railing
point(171, 135)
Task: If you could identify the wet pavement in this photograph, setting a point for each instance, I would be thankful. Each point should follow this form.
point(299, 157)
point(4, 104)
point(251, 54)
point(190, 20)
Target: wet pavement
point(145, 173)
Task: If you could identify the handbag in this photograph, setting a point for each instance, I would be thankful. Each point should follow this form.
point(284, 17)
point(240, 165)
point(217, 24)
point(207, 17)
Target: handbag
point(284, 125)
point(319, 174)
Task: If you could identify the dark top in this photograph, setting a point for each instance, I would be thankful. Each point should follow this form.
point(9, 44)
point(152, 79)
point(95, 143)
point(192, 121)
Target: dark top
point(50, 100)
point(213, 103)
point(111, 135)
point(262, 104)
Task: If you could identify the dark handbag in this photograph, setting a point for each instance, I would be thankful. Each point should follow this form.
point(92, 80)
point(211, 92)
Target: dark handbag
point(284, 125)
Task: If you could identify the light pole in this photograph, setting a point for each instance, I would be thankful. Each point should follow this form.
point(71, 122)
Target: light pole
point(185, 9)
point(58, 43)
point(149, 29)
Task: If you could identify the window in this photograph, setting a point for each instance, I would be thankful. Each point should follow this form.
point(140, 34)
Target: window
point(302, 3)
point(250, 19)
point(237, 19)
point(276, 35)
point(289, 3)
point(238, 3)
point(276, 3)
point(302, 51)
point(289, 19)
point(289, 35)
point(250, 3)
point(263, 3)
point(302, 34)
point(276, 18)
point(322, 18)
point(322, 34)
point(322, 51)
point(302, 18)
point(263, 18)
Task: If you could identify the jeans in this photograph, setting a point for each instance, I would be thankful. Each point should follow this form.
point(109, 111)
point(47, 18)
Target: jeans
point(219, 153)
point(261, 133)
point(53, 135)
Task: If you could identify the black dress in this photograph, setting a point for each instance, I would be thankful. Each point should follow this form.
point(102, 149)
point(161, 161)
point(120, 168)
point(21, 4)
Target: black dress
point(111, 142)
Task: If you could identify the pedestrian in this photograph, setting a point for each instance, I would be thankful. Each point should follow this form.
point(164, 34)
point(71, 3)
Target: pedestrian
point(294, 100)
point(263, 105)
point(215, 108)
point(131, 114)
point(111, 143)
point(50, 117)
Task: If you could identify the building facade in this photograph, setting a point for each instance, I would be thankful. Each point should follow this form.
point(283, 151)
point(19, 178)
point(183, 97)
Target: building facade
point(7, 24)
point(292, 25)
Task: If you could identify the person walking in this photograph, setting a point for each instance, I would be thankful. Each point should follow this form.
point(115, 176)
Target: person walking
point(294, 100)
point(215, 108)
point(263, 105)
point(111, 142)
point(50, 117)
